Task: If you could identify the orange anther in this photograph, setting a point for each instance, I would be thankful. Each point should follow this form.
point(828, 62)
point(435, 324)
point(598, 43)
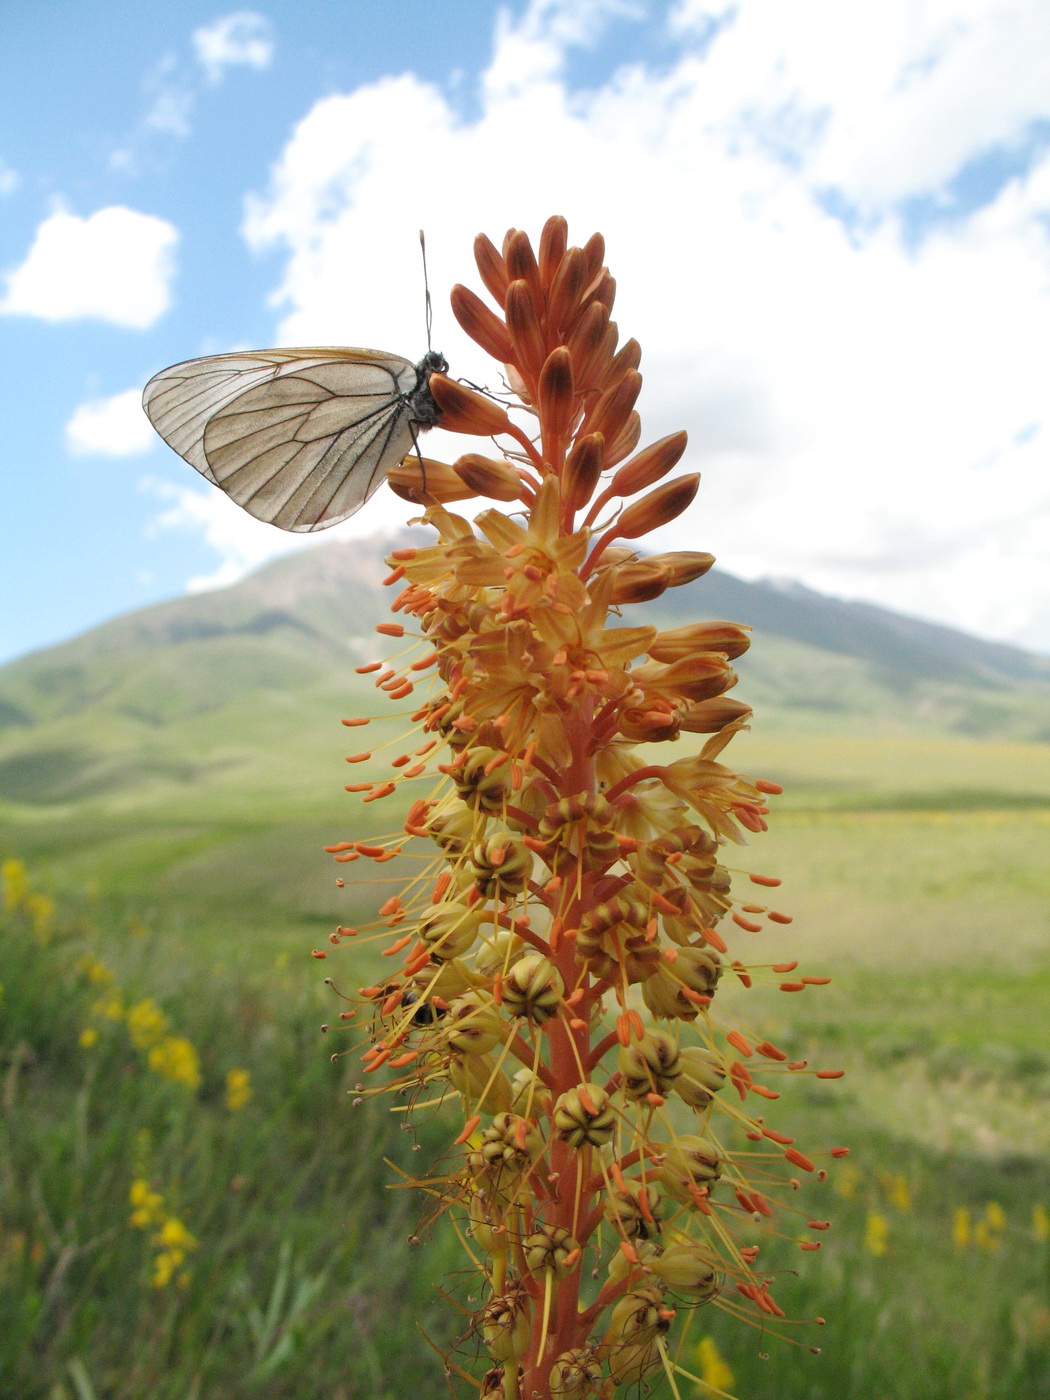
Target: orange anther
point(468, 1127)
point(798, 1160)
point(748, 924)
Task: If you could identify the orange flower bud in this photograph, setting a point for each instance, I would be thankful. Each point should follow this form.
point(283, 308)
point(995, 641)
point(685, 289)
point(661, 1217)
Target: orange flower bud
point(629, 356)
point(557, 394)
point(487, 477)
point(660, 506)
point(726, 637)
point(652, 463)
point(610, 414)
point(492, 267)
point(683, 566)
point(638, 581)
point(481, 324)
point(712, 715)
point(522, 265)
point(605, 291)
point(583, 467)
point(625, 442)
point(553, 241)
point(693, 678)
point(597, 369)
point(594, 252)
point(464, 410)
point(566, 290)
point(436, 480)
point(524, 327)
point(586, 340)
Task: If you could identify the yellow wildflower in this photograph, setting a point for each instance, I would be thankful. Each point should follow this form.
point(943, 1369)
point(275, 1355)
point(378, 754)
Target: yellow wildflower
point(110, 1007)
point(995, 1216)
point(961, 1230)
point(1040, 1222)
point(175, 1058)
point(15, 884)
point(174, 1235)
point(149, 1205)
point(238, 1089)
point(88, 1037)
point(895, 1189)
point(96, 972)
point(164, 1266)
point(147, 1024)
point(714, 1372)
point(876, 1234)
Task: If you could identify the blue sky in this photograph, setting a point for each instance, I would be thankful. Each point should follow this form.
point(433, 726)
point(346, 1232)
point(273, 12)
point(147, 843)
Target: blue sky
point(830, 226)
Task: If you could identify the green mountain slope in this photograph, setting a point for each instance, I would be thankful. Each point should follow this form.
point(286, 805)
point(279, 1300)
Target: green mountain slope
point(191, 753)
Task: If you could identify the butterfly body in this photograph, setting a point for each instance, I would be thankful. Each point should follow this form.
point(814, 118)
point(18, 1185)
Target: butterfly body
point(299, 438)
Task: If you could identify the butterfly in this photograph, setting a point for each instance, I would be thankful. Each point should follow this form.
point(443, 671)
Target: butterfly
point(299, 438)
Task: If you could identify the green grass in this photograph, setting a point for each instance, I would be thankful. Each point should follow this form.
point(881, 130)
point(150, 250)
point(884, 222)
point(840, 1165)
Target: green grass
point(916, 872)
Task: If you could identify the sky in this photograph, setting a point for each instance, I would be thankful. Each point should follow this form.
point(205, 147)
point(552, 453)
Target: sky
point(829, 224)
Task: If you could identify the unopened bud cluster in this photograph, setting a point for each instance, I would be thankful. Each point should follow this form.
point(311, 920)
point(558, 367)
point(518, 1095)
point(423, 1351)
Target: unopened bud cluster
point(562, 960)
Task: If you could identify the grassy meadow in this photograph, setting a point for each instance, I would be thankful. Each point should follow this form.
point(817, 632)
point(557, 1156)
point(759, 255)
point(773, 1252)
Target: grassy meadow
point(162, 1061)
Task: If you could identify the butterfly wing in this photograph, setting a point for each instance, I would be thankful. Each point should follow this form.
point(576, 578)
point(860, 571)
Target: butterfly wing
point(299, 438)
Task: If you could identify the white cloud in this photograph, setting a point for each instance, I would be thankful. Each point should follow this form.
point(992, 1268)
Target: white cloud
point(859, 406)
point(242, 542)
point(111, 427)
point(243, 39)
point(9, 179)
point(116, 266)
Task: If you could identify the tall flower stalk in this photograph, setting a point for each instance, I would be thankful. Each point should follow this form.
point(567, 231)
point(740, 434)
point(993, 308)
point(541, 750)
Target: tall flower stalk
point(556, 962)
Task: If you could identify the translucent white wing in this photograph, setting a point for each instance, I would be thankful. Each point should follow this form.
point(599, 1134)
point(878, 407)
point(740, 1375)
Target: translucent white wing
point(299, 438)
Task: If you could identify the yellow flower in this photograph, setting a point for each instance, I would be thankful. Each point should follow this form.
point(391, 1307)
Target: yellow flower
point(147, 1024)
point(238, 1089)
point(164, 1265)
point(175, 1058)
point(895, 1189)
point(15, 883)
point(876, 1234)
point(714, 1372)
point(961, 1231)
point(111, 1007)
point(995, 1216)
point(173, 1235)
point(1040, 1222)
point(88, 1037)
point(149, 1205)
point(96, 972)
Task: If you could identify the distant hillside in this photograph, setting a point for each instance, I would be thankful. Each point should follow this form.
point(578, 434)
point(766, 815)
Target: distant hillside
point(187, 761)
point(303, 622)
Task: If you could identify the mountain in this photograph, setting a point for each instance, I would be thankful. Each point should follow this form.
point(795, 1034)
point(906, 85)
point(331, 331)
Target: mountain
point(197, 687)
point(187, 759)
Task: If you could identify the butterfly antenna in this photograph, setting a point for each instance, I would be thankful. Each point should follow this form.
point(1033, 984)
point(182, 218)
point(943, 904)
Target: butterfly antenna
point(426, 286)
